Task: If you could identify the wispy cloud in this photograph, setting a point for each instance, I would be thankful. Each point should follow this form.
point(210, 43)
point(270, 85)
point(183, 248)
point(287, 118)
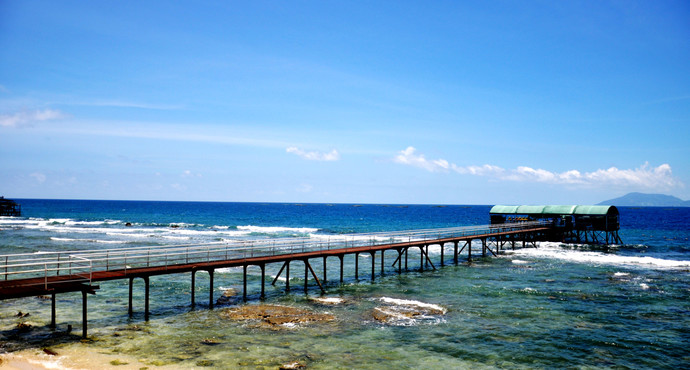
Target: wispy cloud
point(645, 176)
point(189, 174)
point(132, 104)
point(410, 158)
point(25, 118)
point(333, 155)
point(39, 177)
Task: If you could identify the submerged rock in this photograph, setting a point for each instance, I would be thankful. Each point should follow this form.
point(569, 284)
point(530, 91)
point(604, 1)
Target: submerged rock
point(274, 316)
point(292, 366)
point(24, 326)
point(50, 352)
point(406, 312)
point(228, 297)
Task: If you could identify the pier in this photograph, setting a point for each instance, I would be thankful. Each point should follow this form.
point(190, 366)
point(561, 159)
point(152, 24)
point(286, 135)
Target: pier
point(51, 273)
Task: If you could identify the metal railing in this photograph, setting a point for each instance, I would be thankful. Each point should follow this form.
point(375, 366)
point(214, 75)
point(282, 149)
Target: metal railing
point(81, 265)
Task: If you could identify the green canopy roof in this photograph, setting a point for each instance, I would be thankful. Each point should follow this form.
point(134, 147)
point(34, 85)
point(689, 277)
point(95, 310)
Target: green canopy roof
point(554, 210)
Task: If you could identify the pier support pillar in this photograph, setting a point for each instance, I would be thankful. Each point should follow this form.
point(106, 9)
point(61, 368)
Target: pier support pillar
point(373, 265)
point(342, 268)
point(52, 311)
point(469, 250)
point(263, 280)
point(306, 276)
point(287, 275)
point(324, 269)
point(442, 250)
point(244, 282)
point(455, 252)
point(193, 287)
point(382, 261)
point(210, 289)
point(83, 313)
point(356, 266)
point(406, 249)
point(146, 298)
point(130, 311)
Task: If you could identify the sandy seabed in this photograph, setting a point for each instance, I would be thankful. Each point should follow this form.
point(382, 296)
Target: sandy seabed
point(70, 358)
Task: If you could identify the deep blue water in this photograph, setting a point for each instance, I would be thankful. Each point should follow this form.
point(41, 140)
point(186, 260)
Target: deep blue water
point(554, 306)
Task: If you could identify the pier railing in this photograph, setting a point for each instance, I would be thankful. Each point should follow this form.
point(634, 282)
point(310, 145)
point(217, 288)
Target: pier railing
point(80, 265)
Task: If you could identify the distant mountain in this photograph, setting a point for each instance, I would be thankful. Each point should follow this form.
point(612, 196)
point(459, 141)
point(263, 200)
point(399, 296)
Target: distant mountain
point(647, 200)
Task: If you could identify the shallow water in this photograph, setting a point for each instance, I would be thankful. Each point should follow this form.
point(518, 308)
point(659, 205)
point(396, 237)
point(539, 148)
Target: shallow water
point(554, 306)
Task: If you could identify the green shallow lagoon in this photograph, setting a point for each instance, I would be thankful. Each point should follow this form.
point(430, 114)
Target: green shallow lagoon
point(499, 314)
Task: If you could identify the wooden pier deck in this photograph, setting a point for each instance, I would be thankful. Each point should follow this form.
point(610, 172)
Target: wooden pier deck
point(51, 273)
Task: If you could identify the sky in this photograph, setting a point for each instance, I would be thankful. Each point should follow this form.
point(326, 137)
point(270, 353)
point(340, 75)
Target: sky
point(414, 102)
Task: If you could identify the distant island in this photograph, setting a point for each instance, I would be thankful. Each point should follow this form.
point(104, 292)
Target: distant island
point(647, 200)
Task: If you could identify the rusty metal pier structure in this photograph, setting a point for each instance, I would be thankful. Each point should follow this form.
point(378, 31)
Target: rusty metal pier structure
point(52, 273)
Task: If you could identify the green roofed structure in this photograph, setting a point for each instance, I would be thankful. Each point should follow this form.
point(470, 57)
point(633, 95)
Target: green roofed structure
point(578, 224)
point(9, 207)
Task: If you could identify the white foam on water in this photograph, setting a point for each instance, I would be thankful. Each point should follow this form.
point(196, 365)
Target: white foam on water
point(227, 270)
point(72, 240)
point(172, 237)
point(276, 229)
point(520, 262)
point(406, 302)
point(110, 241)
point(328, 300)
point(555, 251)
point(621, 274)
point(281, 279)
point(129, 235)
point(87, 223)
point(54, 238)
point(16, 221)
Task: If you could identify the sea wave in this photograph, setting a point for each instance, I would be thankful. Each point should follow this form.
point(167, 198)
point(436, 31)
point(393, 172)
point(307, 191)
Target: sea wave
point(407, 302)
point(73, 240)
point(555, 251)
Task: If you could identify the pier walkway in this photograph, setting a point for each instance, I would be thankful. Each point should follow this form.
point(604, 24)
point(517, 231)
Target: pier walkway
point(51, 273)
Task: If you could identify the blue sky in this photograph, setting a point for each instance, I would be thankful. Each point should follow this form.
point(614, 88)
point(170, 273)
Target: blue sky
point(517, 102)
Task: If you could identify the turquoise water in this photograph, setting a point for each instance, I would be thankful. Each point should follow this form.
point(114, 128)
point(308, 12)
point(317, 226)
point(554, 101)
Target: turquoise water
point(554, 306)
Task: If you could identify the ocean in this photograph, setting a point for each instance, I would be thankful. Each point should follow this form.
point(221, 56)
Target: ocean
point(554, 306)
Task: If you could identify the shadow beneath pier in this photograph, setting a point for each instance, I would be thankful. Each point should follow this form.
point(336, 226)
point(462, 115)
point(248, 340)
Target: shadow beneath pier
point(26, 336)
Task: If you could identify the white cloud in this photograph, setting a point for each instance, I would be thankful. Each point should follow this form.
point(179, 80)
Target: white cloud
point(305, 188)
point(39, 177)
point(333, 155)
point(188, 173)
point(178, 187)
point(26, 118)
point(132, 104)
point(408, 157)
point(645, 177)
